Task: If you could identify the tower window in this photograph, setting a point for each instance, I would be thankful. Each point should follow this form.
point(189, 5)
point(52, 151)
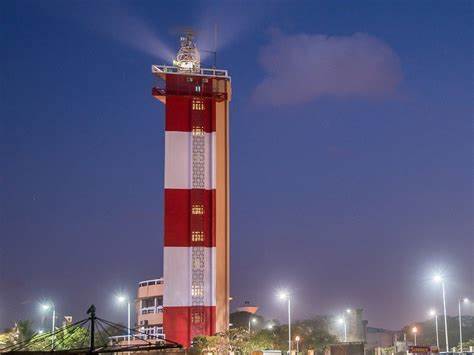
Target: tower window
point(197, 209)
point(198, 105)
point(198, 131)
point(197, 236)
point(197, 88)
point(197, 291)
point(197, 317)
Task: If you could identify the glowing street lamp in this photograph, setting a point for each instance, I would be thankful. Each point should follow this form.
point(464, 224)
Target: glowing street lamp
point(342, 321)
point(435, 315)
point(464, 300)
point(252, 320)
point(414, 330)
point(45, 307)
point(439, 279)
point(284, 295)
point(297, 339)
point(121, 299)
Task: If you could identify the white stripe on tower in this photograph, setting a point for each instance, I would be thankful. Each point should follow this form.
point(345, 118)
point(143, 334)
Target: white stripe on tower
point(177, 291)
point(179, 160)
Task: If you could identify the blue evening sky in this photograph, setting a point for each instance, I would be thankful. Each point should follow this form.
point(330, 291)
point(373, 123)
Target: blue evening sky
point(349, 200)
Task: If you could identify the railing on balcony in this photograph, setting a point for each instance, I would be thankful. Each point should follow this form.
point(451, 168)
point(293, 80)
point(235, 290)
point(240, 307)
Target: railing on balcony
point(151, 310)
point(150, 282)
point(167, 69)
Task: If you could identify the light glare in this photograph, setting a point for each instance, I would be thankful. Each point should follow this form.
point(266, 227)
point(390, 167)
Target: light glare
point(121, 298)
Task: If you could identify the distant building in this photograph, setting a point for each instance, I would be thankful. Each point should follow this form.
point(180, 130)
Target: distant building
point(247, 307)
point(149, 314)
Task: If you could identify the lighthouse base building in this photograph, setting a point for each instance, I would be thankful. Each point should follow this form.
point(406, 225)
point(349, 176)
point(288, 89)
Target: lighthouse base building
point(196, 196)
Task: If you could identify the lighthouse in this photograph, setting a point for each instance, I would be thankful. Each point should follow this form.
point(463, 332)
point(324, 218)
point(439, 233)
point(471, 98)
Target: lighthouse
point(196, 195)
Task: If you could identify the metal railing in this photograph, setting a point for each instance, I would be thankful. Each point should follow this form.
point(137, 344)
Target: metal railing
point(169, 69)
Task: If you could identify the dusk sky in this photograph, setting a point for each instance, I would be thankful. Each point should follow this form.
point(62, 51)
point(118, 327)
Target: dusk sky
point(351, 152)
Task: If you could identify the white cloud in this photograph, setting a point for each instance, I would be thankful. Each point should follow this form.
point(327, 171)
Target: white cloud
point(302, 67)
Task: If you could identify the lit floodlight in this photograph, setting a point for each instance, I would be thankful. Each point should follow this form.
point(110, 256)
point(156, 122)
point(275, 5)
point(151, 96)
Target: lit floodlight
point(188, 58)
point(465, 300)
point(340, 320)
point(121, 298)
point(414, 330)
point(438, 278)
point(283, 295)
point(297, 338)
point(254, 320)
point(41, 331)
point(348, 310)
point(432, 312)
point(45, 306)
point(270, 326)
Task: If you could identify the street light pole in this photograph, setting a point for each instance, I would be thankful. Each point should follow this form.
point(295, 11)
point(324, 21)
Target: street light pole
point(251, 320)
point(286, 296)
point(297, 338)
point(46, 307)
point(445, 317)
point(465, 300)
point(345, 330)
point(440, 279)
point(289, 325)
point(53, 323)
point(433, 312)
point(414, 330)
point(128, 321)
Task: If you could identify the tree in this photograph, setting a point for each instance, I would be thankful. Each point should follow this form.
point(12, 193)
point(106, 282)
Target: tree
point(24, 329)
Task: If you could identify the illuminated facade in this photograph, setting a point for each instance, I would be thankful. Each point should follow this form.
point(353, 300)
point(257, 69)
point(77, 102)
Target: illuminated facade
point(196, 236)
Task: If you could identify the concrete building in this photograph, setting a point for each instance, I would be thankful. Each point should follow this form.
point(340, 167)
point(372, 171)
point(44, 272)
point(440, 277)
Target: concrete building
point(196, 235)
point(149, 307)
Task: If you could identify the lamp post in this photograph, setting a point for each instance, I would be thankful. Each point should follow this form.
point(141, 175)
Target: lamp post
point(286, 296)
point(461, 300)
point(46, 307)
point(414, 331)
point(252, 320)
point(435, 315)
point(439, 279)
point(342, 321)
point(297, 339)
point(122, 299)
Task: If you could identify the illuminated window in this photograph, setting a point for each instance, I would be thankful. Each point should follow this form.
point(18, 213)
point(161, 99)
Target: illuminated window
point(197, 236)
point(198, 131)
point(197, 317)
point(198, 105)
point(197, 291)
point(197, 209)
point(198, 88)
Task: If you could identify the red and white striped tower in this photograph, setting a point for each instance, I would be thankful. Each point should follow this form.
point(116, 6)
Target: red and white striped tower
point(196, 238)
